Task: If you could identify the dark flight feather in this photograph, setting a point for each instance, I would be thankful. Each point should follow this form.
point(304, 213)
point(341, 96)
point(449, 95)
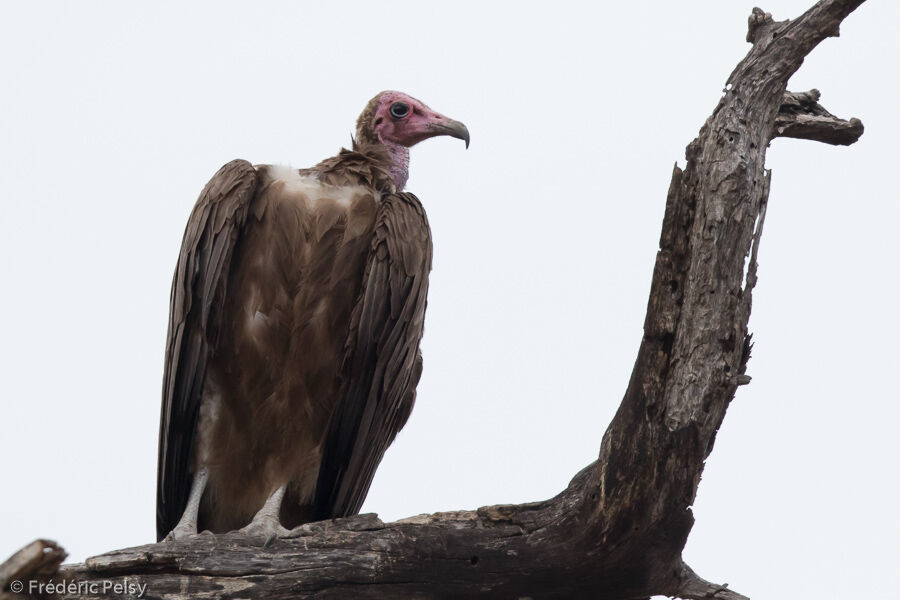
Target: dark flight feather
point(197, 288)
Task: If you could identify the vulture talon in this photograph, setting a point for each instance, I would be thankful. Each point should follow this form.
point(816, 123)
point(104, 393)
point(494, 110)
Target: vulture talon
point(175, 535)
point(265, 528)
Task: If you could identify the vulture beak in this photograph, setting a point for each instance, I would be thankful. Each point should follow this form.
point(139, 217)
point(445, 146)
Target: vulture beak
point(441, 125)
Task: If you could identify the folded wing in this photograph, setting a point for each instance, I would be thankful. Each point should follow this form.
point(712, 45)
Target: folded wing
point(199, 283)
point(382, 363)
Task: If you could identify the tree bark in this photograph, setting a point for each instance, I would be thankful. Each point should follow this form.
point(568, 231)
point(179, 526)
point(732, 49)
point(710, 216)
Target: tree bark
point(618, 530)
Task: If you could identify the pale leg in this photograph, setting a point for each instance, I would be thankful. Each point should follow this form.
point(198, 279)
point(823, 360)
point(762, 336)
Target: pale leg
point(187, 525)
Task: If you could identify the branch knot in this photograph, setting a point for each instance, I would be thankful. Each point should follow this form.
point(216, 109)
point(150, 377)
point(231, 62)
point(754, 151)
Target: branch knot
point(756, 21)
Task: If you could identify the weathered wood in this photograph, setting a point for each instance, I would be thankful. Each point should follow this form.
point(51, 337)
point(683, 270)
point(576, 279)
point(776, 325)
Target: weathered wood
point(38, 561)
point(801, 116)
point(618, 530)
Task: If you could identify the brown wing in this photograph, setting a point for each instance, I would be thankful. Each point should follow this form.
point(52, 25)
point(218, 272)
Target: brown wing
point(197, 289)
point(382, 362)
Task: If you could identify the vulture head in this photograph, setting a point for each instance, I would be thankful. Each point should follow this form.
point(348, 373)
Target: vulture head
point(394, 121)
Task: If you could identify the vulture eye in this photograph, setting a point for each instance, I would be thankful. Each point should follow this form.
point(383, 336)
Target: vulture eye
point(399, 110)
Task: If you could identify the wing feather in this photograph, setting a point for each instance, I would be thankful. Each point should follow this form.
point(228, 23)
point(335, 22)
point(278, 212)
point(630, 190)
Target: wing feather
point(382, 362)
point(199, 282)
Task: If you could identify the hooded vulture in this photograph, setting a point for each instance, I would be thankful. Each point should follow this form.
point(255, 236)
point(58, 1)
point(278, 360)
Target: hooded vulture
point(292, 356)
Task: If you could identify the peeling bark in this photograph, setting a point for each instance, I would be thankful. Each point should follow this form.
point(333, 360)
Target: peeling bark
point(618, 530)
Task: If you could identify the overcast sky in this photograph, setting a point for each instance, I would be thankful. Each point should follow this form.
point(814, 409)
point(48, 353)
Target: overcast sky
point(114, 115)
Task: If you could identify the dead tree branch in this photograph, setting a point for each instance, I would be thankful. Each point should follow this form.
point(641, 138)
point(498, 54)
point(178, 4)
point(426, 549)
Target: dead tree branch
point(38, 561)
point(618, 530)
point(801, 116)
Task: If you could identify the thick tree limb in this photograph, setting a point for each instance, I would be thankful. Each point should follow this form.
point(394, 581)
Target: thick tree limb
point(618, 529)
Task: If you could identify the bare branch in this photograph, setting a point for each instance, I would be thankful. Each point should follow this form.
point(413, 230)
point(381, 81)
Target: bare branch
point(801, 116)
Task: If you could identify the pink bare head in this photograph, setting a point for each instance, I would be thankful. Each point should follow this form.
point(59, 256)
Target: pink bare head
point(394, 118)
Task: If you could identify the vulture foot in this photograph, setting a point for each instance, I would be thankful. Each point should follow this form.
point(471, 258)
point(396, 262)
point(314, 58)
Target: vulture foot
point(266, 522)
point(266, 526)
point(182, 532)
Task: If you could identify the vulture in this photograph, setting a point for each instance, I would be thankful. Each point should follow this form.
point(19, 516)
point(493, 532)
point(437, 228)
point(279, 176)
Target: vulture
point(296, 312)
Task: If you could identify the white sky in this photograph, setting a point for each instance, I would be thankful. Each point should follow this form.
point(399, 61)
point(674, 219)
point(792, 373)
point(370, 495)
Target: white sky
point(114, 115)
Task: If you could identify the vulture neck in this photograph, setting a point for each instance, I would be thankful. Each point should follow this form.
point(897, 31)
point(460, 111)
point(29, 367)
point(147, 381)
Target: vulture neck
point(399, 166)
point(397, 160)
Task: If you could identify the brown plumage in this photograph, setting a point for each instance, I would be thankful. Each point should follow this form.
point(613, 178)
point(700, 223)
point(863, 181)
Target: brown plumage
point(297, 308)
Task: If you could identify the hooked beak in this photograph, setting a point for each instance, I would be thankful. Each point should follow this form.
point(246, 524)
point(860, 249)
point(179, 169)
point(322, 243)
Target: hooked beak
point(441, 125)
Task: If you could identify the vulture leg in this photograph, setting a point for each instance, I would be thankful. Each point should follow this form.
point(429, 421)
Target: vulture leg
point(187, 525)
point(266, 522)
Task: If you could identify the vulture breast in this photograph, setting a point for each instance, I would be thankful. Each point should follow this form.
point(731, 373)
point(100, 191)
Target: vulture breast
point(274, 370)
